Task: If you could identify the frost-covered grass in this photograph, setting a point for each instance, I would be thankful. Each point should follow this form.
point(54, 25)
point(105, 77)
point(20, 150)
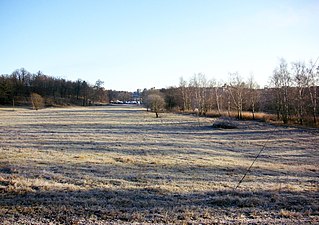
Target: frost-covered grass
point(119, 164)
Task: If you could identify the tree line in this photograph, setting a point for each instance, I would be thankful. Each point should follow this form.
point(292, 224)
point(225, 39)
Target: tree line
point(18, 87)
point(292, 95)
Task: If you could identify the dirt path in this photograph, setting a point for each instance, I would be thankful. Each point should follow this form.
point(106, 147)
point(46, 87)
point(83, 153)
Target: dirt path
point(120, 164)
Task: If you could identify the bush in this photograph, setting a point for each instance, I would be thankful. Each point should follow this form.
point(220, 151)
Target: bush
point(155, 102)
point(37, 101)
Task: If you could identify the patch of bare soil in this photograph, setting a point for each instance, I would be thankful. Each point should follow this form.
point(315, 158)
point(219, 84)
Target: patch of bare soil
point(121, 165)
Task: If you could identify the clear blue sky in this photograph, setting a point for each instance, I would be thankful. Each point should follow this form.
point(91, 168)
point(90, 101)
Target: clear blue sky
point(132, 44)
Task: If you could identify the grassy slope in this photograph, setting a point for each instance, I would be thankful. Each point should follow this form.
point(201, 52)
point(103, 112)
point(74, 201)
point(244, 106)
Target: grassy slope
point(119, 164)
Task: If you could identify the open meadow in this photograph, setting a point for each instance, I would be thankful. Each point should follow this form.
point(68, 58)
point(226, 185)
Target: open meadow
point(119, 164)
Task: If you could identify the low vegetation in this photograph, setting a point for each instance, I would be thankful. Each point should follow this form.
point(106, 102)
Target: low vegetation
point(37, 101)
point(118, 164)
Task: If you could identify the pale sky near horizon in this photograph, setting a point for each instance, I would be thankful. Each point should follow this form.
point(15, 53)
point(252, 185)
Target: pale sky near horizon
point(132, 44)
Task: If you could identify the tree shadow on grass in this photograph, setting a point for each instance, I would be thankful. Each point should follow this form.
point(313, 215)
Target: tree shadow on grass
point(154, 205)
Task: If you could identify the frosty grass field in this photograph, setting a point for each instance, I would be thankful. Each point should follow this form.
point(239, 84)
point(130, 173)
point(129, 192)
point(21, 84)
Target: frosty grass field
point(119, 164)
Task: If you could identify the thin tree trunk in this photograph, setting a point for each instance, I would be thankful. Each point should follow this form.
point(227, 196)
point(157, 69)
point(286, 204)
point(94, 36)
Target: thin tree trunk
point(228, 108)
point(217, 101)
point(253, 109)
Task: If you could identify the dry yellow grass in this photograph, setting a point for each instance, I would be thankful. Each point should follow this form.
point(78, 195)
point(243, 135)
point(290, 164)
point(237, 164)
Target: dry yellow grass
point(119, 164)
point(260, 116)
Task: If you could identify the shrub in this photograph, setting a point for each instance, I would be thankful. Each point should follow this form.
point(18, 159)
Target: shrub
point(37, 101)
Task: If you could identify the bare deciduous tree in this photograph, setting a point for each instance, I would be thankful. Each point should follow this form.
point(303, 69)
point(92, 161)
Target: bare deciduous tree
point(253, 94)
point(313, 80)
point(300, 80)
point(185, 94)
point(155, 102)
point(218, 96)
point(199, 85)
point(282, 80)
point(236, 89)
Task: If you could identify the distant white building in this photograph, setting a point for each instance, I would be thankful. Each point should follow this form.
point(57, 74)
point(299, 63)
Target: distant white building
point(136, 96)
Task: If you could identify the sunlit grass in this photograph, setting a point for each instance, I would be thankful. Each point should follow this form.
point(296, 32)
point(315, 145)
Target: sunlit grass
point(122, 164)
